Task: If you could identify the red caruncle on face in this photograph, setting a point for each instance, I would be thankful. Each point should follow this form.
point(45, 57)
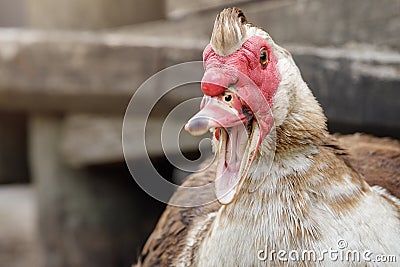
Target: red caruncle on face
point(222, 72)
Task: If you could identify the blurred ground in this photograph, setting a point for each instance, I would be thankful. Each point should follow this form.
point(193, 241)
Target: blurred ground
point(18, 240)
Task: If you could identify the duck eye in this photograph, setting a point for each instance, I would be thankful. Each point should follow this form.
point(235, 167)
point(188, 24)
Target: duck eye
point(263, 57)
point(228, 98)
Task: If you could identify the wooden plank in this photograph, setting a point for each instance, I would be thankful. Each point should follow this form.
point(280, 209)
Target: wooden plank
point(97, 139)
point(63, 71)
point(98, 14)
point(357, 87)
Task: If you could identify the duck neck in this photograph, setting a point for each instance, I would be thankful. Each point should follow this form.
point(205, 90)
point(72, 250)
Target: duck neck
point(277, 189)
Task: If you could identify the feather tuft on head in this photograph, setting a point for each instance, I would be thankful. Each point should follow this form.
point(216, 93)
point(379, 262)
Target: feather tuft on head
point(229, 31)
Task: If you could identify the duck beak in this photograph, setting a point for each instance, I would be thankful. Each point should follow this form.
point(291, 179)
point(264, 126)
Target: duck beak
point(237, 137)
point(213, 114)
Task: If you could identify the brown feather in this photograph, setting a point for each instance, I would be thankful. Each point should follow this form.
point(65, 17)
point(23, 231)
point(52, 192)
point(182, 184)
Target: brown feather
point(169, 237)
point(377, 159)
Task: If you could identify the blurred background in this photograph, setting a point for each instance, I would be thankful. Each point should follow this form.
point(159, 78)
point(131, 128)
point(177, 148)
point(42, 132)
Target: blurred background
point(69, 67)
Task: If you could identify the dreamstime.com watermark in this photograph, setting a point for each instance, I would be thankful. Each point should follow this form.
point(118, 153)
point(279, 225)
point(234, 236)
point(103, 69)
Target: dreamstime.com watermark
point(340, 254)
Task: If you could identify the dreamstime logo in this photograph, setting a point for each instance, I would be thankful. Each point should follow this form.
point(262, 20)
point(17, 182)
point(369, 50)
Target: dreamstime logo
point(340, 254)
point(150, 110)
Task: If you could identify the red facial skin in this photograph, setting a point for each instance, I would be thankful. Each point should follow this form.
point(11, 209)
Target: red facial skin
point(247, 61)
point(241, 71)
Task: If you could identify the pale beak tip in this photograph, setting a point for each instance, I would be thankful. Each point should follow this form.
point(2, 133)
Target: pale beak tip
point(187, 127)
point(197, 126)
